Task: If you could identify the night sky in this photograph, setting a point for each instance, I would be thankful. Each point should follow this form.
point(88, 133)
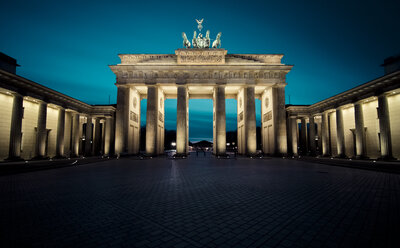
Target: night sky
point(68, 45)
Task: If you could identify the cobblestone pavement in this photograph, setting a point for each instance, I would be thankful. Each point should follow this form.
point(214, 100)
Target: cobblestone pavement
point(200, 202)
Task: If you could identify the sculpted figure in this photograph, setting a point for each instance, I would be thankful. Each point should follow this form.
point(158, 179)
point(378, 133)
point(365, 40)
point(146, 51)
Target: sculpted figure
point(186, 42)
point(194, 40)
point(200, 22)
point(217, 42)
point(207, 39)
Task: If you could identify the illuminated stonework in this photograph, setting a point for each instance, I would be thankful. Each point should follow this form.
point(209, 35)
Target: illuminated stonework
point(207, 74)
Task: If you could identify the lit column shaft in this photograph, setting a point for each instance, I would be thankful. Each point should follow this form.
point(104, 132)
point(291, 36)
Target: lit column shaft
point(181, 121)
point(75, 135)
point(151, 120)
point(360, 131)
point(293, 135)
point(325, 135)
point(107, 135)
point(278, 97)
point(384, 127)
point(340, 133)
point(41, 134)
point(60, 133)
point(220, 120)
point(250, 121)
point(16, 125)
point(88, 136)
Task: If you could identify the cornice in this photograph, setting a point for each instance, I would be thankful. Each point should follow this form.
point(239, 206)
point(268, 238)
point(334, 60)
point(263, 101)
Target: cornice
point(32, 89)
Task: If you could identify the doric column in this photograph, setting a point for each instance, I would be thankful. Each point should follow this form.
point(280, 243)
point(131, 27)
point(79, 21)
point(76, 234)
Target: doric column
point(107, 135)
point(88, 136)
point(60, 133)
point(97, 137)
point(250, 121)
point(182, 120)
point(279, 118)
point(16, 125)
point(41, 132)
point(319, 133)
point(325, 134)
point(122, 121)
point(151, 120)
point(220, 120)
point(312, 135)
point(340, 133)
point(384, 127)
point(293, 135)
point(360, 130)
point(75, 135)
point(304, 146)
point(68, 133)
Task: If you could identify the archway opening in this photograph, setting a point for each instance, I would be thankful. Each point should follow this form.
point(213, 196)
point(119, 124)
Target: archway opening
point(200, 123)
point(170, 124)
point(258, 124)
point(231, 125)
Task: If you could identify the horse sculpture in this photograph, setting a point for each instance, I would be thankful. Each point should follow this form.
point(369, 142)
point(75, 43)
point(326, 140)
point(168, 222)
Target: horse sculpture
point(194, 40)
point(217, 42)
point(208, 38)
point(186, 42)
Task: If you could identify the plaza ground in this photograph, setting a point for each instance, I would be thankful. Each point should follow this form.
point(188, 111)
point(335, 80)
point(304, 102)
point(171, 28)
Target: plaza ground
point(200, 202)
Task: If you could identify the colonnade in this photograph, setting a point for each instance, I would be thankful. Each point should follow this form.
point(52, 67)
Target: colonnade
point(361, 129)
point(58, 135)
point(127, 138)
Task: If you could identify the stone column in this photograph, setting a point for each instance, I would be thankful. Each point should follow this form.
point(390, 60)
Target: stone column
point(151, 120)
point(41, 132)
point(97, 137)
point(279, 116)
point(107, 135)
point(88, 136)
point(304, 146)
point(75, 135)
point(220, 120)
point(293, 135)
point(122, 121)
point(60, 133)
point(319, 133)
point(384, 127)
point(250, 121)
point(312, 135)
point(340, 133)
point(325, 135)
point(360, 130)
point(16, 126)
point(182, 120)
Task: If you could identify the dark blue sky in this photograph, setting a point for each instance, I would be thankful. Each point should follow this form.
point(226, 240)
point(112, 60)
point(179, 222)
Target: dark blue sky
point(67, 45)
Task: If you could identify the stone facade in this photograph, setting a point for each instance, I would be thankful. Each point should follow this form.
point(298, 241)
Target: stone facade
point(38, 122)
point(359, 123)
point(207, 74)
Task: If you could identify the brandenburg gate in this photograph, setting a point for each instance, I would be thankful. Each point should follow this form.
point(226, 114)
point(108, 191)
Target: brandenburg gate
point(199, 71)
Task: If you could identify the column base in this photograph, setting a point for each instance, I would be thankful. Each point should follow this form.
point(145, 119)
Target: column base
point(14, 159)
point(40, 158)
point(341, 156)
point(361, 157)
point(386, 158)
point(60, 157)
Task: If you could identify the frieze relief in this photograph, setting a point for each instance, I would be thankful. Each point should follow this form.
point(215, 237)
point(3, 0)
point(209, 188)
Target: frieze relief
point(203, 75)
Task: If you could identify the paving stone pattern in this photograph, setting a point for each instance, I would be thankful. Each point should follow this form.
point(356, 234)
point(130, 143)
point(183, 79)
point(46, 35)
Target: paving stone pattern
point(200, 202)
